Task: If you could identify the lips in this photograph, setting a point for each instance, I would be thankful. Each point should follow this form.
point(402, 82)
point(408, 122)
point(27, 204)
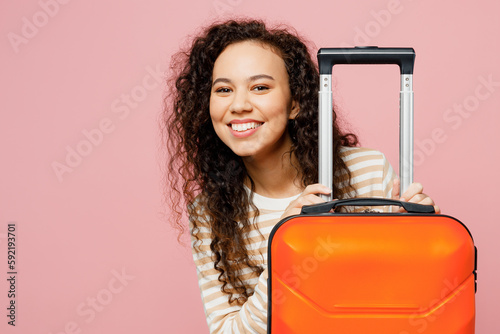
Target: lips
point(244, 127)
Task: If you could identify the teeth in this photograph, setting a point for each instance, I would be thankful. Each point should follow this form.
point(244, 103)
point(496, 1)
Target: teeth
point(245, 126)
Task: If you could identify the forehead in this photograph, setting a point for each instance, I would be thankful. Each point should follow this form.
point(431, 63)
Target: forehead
point(247, 59)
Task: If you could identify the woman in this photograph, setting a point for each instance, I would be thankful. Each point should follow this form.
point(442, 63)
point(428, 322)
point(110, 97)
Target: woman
point(242, 132)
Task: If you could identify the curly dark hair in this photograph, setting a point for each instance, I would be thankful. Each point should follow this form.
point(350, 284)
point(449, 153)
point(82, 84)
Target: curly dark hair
point(206, 173)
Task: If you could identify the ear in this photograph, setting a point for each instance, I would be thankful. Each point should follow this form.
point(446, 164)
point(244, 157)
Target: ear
point(294, 110)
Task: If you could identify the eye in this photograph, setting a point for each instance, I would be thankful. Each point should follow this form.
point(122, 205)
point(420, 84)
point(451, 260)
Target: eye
point(223, 90)
point(260, 88)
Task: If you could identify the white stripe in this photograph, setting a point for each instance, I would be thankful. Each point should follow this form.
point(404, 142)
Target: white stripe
point(368, 189)
point(255, 233)
point(201, 242)
point(203, 229)
point(269, 216)
point(256, 245)
point(219, 301)
point(210, 291)
point(367, 176)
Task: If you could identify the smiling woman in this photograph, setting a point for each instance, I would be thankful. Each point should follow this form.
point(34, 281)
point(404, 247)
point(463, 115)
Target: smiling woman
point(241, 125)
point(250, 103)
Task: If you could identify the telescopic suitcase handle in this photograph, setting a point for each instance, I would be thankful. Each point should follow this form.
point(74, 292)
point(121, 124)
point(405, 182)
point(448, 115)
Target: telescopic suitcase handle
point(405, 59)
point(368, 201)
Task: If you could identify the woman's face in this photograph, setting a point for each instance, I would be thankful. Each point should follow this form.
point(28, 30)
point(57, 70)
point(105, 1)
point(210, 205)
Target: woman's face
point(250, 101)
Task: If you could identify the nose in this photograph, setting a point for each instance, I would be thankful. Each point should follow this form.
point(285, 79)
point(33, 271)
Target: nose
point(240, 102)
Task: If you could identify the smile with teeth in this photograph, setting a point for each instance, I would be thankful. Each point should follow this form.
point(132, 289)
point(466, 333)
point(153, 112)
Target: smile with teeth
point(240, 127)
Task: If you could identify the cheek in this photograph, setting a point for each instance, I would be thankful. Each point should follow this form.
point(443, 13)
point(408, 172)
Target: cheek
point(280, 112)
point(216, 119)
point(216, 110)
point(211, 107)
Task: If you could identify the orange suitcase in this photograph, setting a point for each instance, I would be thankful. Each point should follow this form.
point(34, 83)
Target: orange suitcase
point(371, 273)
point(390, 273)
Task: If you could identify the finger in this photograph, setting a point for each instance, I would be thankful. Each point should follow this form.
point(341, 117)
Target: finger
point(427, 201)
point(295, 207)
point(307, 200)
point(437, 209)
point(293, 211)
point(421, 199)
point(413, 189)
point(317, 188)
point(304, 199)
point(290, 212)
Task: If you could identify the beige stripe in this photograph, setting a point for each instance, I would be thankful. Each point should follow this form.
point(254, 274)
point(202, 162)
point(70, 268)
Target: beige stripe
point(209, 272)
point(239, 323)
point(363, 184)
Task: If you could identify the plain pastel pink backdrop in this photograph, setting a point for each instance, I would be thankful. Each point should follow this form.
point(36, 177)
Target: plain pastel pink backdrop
point(94, 252)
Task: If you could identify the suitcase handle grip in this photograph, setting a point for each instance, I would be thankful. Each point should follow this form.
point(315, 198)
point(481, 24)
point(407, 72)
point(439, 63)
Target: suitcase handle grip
point(369, 201)
point(404, 57)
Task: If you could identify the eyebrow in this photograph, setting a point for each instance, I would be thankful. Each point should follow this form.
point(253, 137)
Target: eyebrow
point(252, 78)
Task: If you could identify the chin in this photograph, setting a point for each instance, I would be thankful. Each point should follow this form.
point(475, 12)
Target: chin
point(244, 154)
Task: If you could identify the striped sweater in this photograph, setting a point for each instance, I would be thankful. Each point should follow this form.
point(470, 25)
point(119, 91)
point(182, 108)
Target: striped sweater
point(371, 176)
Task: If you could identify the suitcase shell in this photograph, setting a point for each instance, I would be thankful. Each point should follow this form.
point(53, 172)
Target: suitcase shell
point(374, 273)
point(371, 273)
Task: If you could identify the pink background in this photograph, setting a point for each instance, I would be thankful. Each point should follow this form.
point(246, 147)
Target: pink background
point(71, 73)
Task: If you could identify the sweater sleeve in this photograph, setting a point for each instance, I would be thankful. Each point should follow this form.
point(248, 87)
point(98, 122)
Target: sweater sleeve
point(251, 317)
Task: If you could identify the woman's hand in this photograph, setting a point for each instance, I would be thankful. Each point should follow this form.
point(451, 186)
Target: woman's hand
point(414, 194)
point(308, 197)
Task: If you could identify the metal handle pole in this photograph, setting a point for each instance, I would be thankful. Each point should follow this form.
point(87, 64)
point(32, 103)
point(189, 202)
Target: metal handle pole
point(406, 132)
point(325, 132)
